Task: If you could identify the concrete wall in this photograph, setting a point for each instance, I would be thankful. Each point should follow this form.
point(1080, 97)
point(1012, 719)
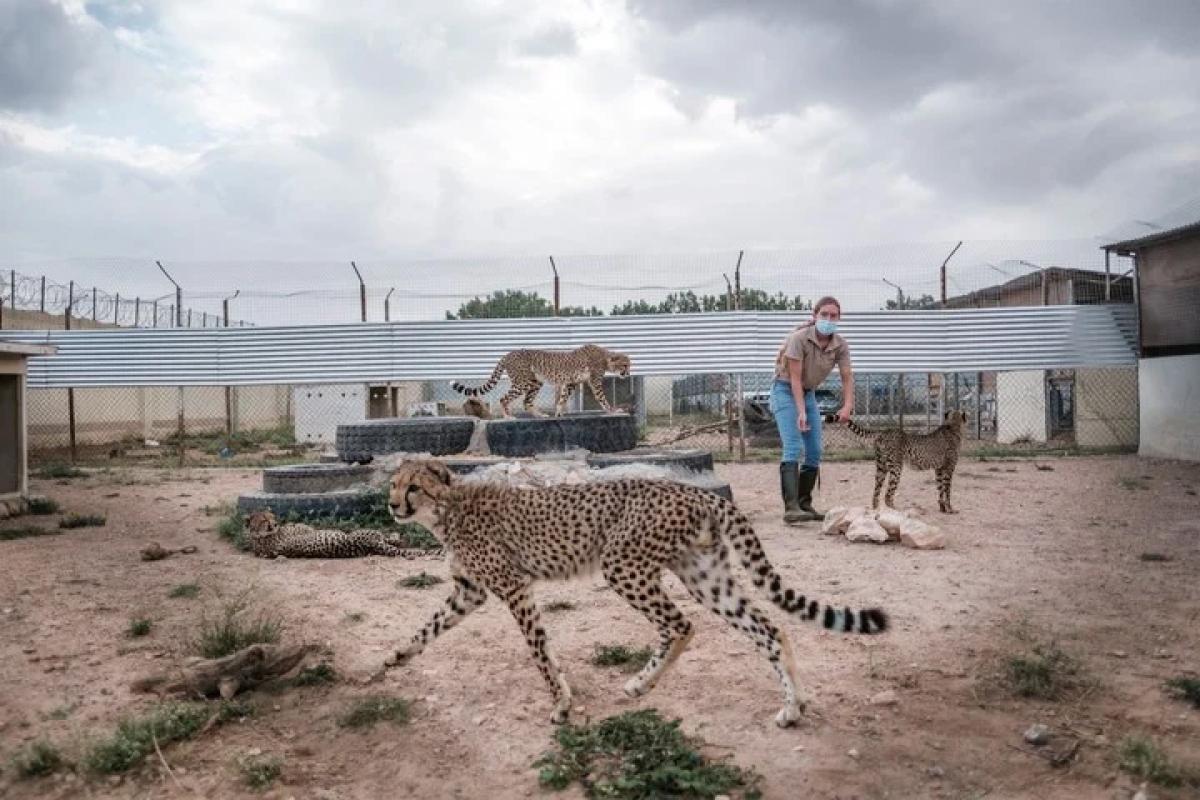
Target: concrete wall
point(1169, 400)
point(1021, 406)
point(1106, 407)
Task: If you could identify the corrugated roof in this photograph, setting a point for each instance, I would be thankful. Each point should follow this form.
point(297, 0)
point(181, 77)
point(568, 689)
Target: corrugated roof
point(944, 340)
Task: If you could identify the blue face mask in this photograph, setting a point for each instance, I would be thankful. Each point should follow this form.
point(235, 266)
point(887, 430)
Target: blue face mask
point(826, 327)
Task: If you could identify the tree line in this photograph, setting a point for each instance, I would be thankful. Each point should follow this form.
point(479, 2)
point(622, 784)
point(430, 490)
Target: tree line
point(511, 303)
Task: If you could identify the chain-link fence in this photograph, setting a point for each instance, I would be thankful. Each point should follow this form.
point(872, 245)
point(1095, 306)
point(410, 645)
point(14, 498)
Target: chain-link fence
point(729, 414)
point(1093, 409)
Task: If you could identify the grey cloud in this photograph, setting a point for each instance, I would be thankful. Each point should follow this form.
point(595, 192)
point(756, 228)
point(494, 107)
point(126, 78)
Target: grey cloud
point(1049, 95)
point(557, 40)
point(43, 55)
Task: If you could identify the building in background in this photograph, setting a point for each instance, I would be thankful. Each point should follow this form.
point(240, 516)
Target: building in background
point(1167, 279)
point(14, 462)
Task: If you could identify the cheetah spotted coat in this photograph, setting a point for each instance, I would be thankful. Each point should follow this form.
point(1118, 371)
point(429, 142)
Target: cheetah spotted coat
point(500, 540)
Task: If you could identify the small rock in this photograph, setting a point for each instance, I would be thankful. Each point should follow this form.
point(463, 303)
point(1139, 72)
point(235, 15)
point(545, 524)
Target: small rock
point(1119, 654)
point(798, 748)
point(1142, 794)
point(921, 536)
point(1037, 734)
point(866, 529)
point(887, 698)
point(935, 772)
point(852, 752)
point(479, 720)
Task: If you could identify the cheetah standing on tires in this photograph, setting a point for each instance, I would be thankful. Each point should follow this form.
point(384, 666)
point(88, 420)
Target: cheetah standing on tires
point(500, 540)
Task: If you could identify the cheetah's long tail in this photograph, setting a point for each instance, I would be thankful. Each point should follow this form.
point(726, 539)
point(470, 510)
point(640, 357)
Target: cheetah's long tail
point(855, 428)
point(738, 532)
point(483, 388)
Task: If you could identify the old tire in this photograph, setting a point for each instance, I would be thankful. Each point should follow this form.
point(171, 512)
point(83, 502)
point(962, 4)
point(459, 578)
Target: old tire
point(695, 460)
point(360, 442)
point(598, 433)
point(466, 465)
point(314, 478)
point(722, 489)
point(340, 503)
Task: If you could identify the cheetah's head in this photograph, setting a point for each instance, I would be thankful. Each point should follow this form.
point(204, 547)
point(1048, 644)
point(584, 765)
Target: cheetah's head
point(618, 363)
point(415, 488)
point(260, 521)
point(956, 418)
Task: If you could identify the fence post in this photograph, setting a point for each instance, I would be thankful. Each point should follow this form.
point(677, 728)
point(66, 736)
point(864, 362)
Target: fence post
point(228, 390)
point(137, 310)
point(42, 302)
point(95, 316)
point(362, 292)
point(555, 268)
point(180, 429)
point(741, 418)
point(117, 310)
point(70, 389)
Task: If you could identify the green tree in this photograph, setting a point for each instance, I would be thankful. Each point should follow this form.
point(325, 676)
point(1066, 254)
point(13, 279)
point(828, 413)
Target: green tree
point(690, 303)
point(511, 303)
point(905, 302)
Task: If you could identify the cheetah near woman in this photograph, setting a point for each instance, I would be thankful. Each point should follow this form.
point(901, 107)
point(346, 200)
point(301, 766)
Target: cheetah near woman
point(501, 539)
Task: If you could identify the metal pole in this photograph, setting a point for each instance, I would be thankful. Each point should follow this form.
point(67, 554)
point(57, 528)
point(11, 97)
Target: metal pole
point(362, 291)
point(554, 267)
point(180, 428)
point(117, 310)
point(737, 288)
point(943, 271)
point(1045, 290)
point(95, 318)
point(137, 311)
point(228, 390)
point(1107, 277)
point(741, 418)
point(70, 389)
point(178, 296)
point(189, 318)
point(154, 311)
point(42, 304)
point(387, 310)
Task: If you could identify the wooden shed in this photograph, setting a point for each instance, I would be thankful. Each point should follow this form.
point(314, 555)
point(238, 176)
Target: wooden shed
point(14, 462)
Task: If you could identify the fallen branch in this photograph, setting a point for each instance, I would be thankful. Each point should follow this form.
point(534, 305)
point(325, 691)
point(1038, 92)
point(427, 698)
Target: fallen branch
point(687, 433)
point(228, 675)
point(156, 552)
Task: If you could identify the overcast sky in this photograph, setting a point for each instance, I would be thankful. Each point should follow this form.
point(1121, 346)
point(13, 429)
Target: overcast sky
point(314, 130)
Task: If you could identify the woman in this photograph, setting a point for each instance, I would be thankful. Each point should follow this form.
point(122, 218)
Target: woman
point(805, 360)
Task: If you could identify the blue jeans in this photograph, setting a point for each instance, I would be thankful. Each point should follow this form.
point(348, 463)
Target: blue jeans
point(783, 407)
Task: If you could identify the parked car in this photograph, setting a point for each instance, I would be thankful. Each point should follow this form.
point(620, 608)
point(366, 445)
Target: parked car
point(829, 401)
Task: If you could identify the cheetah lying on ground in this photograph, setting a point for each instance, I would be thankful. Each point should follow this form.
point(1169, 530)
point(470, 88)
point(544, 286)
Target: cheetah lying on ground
point(269, 539)
point(501, 540)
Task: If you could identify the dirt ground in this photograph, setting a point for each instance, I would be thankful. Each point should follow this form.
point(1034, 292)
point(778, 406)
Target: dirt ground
point(1052, 548)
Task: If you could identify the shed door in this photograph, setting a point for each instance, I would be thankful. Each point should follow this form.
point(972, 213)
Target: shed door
point(10, 428)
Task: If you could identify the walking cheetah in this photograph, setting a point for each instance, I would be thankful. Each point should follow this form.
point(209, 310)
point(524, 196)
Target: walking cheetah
point(937, 450)
point(529, 369)
point(501, 539)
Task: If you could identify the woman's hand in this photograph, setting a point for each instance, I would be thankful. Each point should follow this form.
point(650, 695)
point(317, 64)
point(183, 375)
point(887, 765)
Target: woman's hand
point(802, 420)
point(845, 412)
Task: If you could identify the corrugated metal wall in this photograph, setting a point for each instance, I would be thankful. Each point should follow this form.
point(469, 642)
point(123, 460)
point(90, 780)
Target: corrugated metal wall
point(961, 340)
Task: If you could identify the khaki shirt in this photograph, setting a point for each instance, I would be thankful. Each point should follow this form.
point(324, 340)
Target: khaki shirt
point(817, 361)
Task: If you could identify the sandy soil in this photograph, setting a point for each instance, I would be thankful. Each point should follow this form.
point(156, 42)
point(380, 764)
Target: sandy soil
point(1053, 552)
